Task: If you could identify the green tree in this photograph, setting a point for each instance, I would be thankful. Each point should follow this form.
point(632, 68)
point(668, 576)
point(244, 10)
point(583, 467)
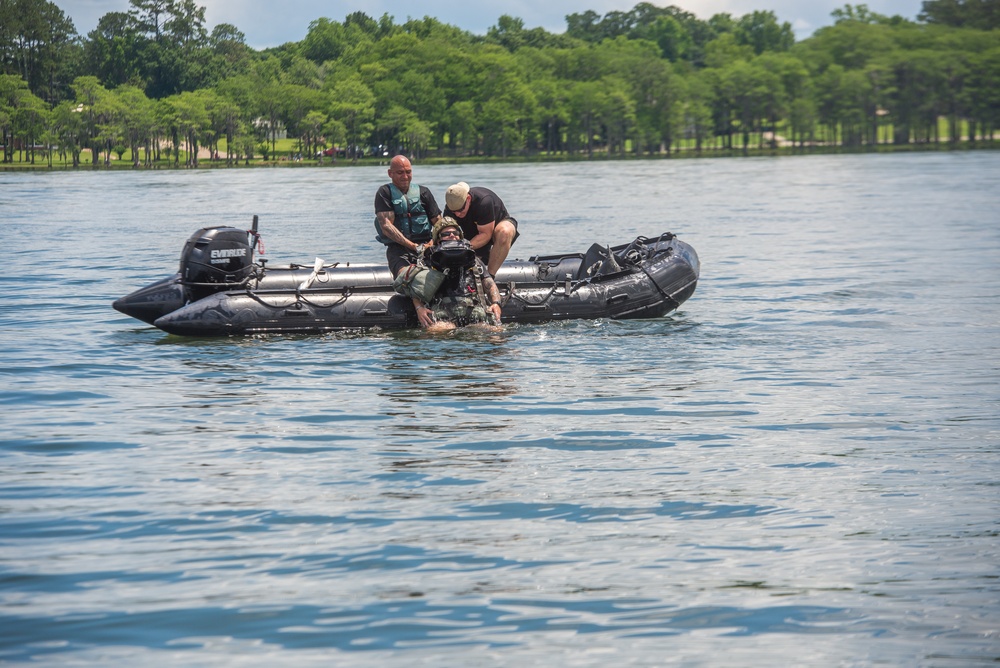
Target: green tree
point(553, 113)
point(92, 102)
point(653, 112)
point(673, 39)
point(31, 118)
point(506, 116)
point(311, 131)
point(749, 93)
point(186, 24)
point(23, 116)
point(794, 78)
point(137, 121)
point(915, 99)
point(326, 40)
point(859, 104)
point(67, 127)
point(109, 110)
point(725, 50)
point(584, 26)
point(831, 101)
point(508, 33)
point(761, 31)
point(462, 127)
point(978, 14)
point(303, 72)
point(334, 133)
point(37, 42)
point(191, 121)
point(229, 53)
point(617, 114)
point(12, 88)
point(113, 50)
point(697, 108)
point(680, 34)
point(982, 93)
point(298, 102)
point(151, 16)
point(586, 103)
point(853, 44)
point(416, 134)
point(175, 54)
point(352, 103)
point(858, 14)
point(266, 100)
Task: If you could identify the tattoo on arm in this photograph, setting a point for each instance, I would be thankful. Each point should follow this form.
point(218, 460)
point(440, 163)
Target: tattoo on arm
point(386, 221)
point(491, 287)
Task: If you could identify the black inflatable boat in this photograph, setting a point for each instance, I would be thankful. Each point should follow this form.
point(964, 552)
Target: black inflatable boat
point(220, 290)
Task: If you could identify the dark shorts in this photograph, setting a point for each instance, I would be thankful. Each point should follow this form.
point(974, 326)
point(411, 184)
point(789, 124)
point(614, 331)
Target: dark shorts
point(399, 257)
point(484, 252)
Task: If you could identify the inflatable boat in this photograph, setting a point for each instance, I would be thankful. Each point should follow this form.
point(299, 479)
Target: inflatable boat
point(221, 290)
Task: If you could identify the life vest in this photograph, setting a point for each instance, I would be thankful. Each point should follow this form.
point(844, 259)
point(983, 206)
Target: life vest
point(411, 219)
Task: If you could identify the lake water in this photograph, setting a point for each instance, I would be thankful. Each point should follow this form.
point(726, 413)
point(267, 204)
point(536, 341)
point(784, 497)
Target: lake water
point(800, 467)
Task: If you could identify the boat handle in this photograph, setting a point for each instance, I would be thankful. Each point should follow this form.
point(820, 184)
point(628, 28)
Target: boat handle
point(614, 299)
point(376, 312)
point(536, 307)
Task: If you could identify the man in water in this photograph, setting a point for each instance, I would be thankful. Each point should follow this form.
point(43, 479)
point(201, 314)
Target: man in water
point(485, 222)
point(404, 215)
point(468, 295)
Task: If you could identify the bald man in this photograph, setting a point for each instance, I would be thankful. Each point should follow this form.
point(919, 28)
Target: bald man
point(405, 213)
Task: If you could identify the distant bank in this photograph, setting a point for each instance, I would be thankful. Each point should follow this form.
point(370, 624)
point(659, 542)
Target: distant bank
point(23, 159)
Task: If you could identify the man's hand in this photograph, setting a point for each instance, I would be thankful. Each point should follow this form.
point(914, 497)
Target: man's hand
point(425, 316)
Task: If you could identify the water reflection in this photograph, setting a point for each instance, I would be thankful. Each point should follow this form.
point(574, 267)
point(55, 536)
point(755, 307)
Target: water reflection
point(463, 365)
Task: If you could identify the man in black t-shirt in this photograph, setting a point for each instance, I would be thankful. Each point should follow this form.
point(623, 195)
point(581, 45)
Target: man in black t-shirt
point(404, 215)
point(485, 222)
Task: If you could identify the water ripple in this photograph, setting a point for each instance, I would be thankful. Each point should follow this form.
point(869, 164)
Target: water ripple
point(797, 468)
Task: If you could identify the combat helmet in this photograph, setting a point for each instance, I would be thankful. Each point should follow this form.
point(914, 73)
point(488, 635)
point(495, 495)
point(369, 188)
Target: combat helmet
point(452, 253)
point(444, 223)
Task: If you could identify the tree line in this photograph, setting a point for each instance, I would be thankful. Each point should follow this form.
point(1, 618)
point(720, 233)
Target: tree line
point(154, 83)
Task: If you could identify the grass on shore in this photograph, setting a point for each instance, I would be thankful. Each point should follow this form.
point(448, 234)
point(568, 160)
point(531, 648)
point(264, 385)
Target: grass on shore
point(286, 152)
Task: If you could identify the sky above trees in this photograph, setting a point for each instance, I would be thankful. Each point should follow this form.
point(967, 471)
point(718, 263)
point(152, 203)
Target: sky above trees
point(645, 81)
point(267, 23)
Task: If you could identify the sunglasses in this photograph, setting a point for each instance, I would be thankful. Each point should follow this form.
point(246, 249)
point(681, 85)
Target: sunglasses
point(449, 235)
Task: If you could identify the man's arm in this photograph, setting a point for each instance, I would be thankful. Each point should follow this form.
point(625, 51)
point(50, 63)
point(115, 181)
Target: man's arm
point(484, 235)
point(493, 292)
point(391, 232)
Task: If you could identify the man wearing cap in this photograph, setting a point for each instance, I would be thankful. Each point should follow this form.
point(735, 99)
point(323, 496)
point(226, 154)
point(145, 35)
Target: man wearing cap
point(485, 222)
point(404, 215)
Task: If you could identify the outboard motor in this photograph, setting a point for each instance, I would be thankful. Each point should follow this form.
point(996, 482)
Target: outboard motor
point(216, 256)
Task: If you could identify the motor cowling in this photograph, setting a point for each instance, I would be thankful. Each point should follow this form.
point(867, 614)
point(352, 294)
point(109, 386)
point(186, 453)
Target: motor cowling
point(216, 255)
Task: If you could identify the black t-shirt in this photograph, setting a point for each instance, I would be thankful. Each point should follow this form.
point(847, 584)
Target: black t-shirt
point(486, 207)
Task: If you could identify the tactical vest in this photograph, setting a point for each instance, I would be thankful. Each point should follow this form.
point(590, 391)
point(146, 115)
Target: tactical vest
point(461, 303)
point(411, 219)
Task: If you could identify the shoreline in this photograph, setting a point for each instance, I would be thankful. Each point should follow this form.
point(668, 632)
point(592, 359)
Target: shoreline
point(686, 154)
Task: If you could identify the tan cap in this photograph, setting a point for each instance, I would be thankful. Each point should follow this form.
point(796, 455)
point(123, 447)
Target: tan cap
point(455, 196)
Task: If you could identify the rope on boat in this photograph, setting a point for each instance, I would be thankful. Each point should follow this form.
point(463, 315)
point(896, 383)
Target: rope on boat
point(301, 299)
